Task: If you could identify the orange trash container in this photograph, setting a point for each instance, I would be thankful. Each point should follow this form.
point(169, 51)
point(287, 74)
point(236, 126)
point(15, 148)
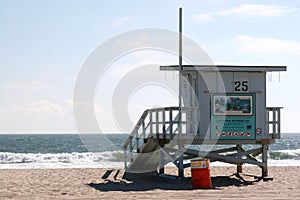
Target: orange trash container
point(200, 174)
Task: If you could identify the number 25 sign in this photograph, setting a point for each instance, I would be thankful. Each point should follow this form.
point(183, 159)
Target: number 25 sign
point(241, 86)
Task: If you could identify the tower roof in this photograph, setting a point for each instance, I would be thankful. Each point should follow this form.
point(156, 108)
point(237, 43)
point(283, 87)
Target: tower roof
point(224, 68)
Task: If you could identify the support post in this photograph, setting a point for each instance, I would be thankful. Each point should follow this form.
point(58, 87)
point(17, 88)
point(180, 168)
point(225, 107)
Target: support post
point(131, 150)
point(239, 166)
point(125, 158)
point(265, 160)
point(162, 162)
point(180, 165)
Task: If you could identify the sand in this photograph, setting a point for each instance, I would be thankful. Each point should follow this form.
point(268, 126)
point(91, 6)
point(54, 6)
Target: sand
point(112, 184)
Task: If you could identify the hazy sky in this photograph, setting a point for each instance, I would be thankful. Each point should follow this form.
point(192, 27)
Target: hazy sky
point(43, 45)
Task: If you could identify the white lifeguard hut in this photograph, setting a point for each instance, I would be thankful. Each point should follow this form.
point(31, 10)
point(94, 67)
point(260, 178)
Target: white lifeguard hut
point(228, 107)
point(221, 105)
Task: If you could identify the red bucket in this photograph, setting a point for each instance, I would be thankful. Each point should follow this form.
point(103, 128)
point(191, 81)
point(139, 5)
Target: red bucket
point(201, 174)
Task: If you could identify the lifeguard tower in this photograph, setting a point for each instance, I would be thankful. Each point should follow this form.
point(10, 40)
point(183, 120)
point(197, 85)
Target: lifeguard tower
point(223, 105)
point(224, 117)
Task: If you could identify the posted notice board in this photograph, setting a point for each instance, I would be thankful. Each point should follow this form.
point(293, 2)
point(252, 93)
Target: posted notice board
point(232, 116)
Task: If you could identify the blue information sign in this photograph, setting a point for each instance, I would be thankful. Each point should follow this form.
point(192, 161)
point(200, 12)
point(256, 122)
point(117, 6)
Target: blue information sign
point(232, 116)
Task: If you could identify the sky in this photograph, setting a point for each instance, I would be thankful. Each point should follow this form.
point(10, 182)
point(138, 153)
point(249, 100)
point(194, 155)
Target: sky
point(44, 44)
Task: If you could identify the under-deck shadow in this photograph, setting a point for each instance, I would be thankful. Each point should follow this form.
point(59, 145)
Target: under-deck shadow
point(131, 182)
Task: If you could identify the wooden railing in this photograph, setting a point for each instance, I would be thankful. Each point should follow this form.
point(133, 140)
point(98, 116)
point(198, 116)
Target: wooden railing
point(273, 121)
point(158, 122)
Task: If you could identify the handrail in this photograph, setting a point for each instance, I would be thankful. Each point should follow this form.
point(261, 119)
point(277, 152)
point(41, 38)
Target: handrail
point(144, 115)
point(154, 110)
point(157, 122)
point(273, 121)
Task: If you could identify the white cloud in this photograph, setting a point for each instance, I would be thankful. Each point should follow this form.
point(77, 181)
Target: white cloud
point(265, 45)
point(256, 10)
point(245, 11)
point(42, 116)
point(45, 116)
point(122, 21)
point(45, 107)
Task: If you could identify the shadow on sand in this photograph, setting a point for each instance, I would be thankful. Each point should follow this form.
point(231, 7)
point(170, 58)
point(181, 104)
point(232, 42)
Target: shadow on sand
point(133, 182)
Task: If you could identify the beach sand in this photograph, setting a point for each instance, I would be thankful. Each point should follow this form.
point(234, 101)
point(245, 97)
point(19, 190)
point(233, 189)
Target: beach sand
point(112, 184)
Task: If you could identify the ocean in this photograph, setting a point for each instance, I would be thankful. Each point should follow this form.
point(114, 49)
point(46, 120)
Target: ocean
point(36, 151)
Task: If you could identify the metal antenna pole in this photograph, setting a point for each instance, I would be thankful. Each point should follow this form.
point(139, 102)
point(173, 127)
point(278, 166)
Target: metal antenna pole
point(180, 57)
point(180, 146)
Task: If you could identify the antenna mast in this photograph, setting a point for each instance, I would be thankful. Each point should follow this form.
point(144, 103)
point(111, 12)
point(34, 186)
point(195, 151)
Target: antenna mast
point(180, 58)
point(180, 145)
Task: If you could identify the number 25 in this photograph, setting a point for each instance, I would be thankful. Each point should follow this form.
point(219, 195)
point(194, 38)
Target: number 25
point(240, 85)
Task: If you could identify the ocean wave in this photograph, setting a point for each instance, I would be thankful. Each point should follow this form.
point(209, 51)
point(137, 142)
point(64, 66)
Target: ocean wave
point(108, 159)
point(285, 155)
point(75, 157)
point(108, 156)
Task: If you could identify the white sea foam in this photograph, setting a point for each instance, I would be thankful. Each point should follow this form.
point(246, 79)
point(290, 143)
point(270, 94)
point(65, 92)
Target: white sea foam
point(60, 160)
point(294, 152)
point(109, 159)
